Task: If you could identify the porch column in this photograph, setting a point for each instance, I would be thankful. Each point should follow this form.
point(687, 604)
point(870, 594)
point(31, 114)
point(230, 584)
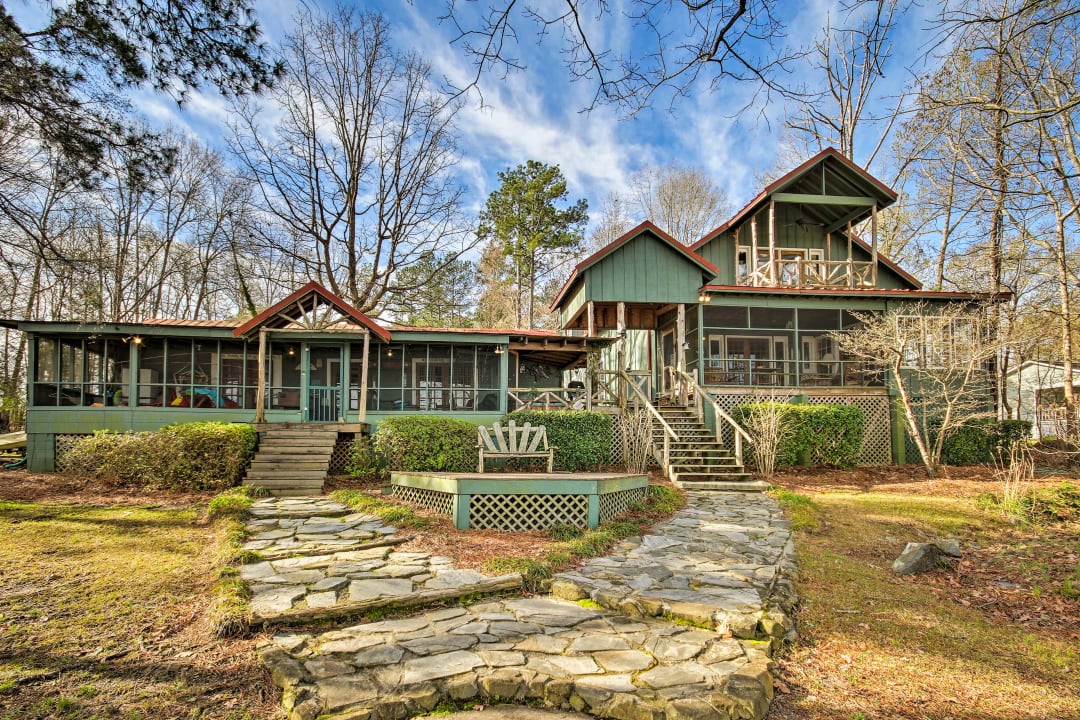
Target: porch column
point(364, 377)
point(752, 260)
point(873, 245)
point(680, 351)
point(590, 311)
point(773, 274)
point(850, 259)
point(260, 392)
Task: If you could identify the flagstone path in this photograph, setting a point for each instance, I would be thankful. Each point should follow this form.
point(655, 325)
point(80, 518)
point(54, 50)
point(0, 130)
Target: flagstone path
point(678, 624)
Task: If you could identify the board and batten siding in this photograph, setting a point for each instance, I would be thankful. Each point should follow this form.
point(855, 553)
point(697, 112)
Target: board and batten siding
point(647, 270)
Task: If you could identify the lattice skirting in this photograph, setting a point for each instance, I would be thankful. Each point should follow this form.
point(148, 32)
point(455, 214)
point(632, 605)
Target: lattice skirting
point(616, 441)
point(527, 512)
point(614, 504)
point(62, 443)
point(339, 459)
point(440, 502)
point(877, 428)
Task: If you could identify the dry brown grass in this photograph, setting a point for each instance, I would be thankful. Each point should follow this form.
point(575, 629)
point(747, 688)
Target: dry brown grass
point(993, 638)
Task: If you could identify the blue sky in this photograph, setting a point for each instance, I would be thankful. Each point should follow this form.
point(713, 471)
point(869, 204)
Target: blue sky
point(537, 113)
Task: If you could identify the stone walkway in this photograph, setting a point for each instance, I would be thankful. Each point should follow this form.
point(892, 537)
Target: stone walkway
point(726, 561)
point(322, 561)
point(625, 649)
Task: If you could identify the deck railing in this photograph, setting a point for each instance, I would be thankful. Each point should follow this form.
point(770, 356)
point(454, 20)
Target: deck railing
point(791, 373)
point(805, 273)
point(637, 398)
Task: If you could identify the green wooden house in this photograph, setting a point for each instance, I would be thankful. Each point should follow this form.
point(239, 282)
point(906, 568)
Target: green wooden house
point(744, 312)
point(747, 311)
point(310, 359)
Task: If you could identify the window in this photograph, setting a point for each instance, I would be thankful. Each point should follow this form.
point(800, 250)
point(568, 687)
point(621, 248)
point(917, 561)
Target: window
point(935, 341)
point(419, 376)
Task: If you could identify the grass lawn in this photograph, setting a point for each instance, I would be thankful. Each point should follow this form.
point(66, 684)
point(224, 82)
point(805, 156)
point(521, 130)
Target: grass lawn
point(995, 637)
point(103, 614)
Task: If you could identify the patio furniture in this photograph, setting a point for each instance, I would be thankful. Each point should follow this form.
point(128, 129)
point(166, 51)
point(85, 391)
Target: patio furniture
point(513, 441)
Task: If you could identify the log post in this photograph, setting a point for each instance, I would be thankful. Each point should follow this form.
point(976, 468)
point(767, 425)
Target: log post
point(752, 260)
point(260, 392)
point(772, 244)
point(873, 246)
point(364, 377)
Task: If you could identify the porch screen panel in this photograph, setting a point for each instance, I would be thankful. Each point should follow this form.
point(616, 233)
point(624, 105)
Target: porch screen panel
point(487, 378)
point(284, 373)
point(178, 372)
point(45, 390)
point(152, 372)
point(232, 387)
point(463, 378)
point(434, 391)
point(391, 367)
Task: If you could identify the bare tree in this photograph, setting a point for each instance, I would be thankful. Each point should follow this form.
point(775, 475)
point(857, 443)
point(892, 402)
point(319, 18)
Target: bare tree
point(938, 357)
point(613, 220)
point(849, 61)
point(682, 201)
point(683, 43)
point(357, 167)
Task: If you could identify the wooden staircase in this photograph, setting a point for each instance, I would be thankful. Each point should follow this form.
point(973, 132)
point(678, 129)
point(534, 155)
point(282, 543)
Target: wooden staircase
point(698, 461)
point(293, 458)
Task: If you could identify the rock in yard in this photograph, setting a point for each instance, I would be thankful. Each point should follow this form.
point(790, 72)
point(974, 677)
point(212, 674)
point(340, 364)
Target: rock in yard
point(919, 558)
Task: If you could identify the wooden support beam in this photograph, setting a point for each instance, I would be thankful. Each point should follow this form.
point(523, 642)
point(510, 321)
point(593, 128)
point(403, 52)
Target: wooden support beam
point(773, 274)
point(873, 246)
point(680, 338)
point(620, 322)
point(850, 259)
point(824, 199)
point(847, 219)
point(260, 392)
point(752, 260)
point(590, 310)
point(364, 378)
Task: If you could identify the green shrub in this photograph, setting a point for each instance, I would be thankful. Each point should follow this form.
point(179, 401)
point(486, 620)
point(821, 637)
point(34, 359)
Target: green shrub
point(187, 456)
point(826, 435)
point(364, 461)
point(234, 502)
point(979, 441)
point(421, 443)
point(582, 439)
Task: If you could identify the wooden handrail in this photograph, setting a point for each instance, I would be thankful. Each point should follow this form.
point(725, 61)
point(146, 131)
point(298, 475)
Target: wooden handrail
point(668, 432)
point(699, 396)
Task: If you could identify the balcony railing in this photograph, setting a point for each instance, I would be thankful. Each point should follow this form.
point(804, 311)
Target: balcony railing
point(804, 273)
point(792, 373)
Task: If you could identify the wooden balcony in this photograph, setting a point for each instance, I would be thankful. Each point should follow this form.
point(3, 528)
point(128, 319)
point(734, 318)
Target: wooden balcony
point(803, 273)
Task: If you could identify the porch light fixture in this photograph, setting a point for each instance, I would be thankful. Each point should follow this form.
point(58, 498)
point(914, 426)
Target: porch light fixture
point(133, 339)
point(291, 350)
point(686, 346)
point(389, 351)
point(703, 297)
point(499, 349)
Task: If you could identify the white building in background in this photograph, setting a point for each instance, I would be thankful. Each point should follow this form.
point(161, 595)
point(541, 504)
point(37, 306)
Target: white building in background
point(1037, 393)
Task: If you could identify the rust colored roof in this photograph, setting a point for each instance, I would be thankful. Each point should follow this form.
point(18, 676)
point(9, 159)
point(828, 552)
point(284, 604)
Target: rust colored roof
point(860, 292)
point(181, 322)
point(603, 252)
point(276, 315)
point(538, 334)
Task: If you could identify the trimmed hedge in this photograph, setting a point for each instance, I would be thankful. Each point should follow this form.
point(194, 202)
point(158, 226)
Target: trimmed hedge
point(978, 441)
point(187, 456)
point(826, 435)
point(422, 443)
point(582, 439)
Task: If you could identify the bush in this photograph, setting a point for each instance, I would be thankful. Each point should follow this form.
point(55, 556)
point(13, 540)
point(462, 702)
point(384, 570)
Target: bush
point(980, 441)
point(364, 461)
point(421, 443)
point(827, 435)
point(187, 456)
point(582, 439)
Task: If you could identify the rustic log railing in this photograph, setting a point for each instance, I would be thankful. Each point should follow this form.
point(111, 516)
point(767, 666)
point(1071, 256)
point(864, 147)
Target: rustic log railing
point(805, 273)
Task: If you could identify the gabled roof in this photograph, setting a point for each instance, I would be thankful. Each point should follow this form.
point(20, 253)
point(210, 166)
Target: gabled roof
point(622, 240)
point(886, 194)
point(307, 299)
